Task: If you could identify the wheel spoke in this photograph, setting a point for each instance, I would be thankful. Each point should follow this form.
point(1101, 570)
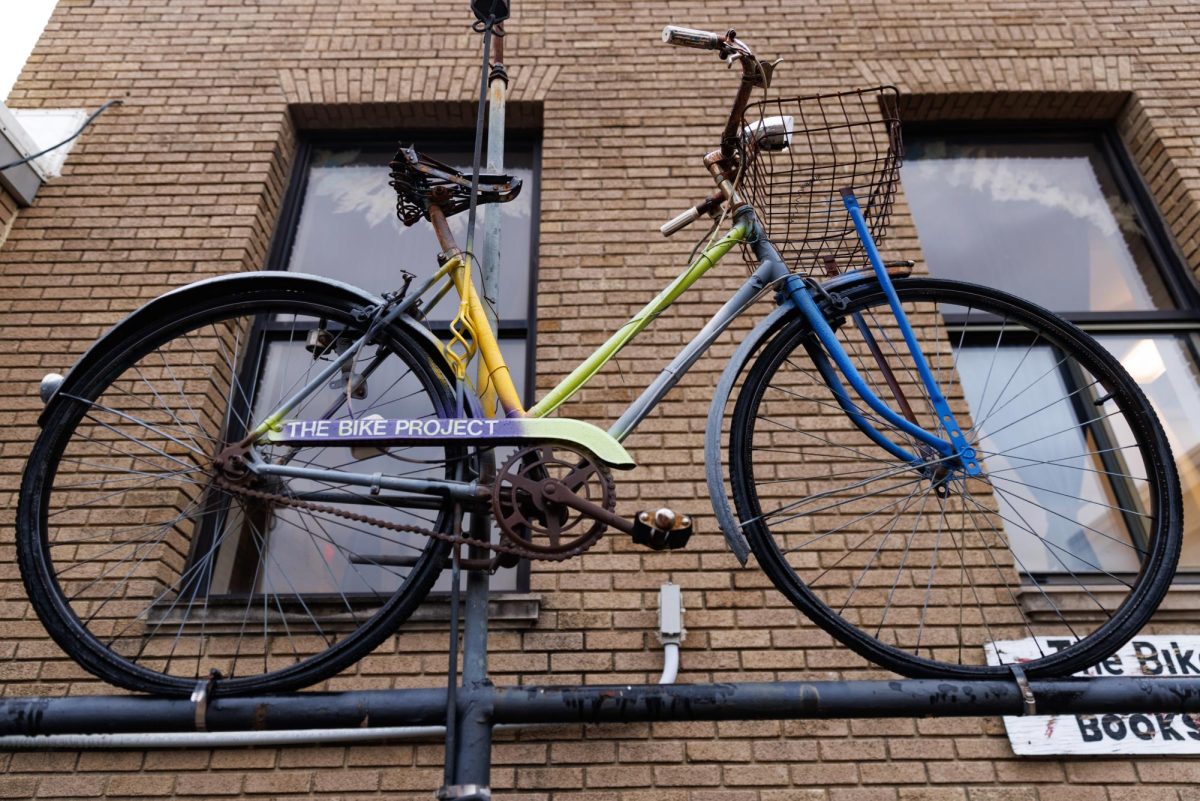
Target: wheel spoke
point(912, 535)
point(165, 574)
point(1000, 536)
point(875, 554)
point(851, 535)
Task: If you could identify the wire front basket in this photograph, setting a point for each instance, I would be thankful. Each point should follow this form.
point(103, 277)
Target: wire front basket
point(844, 140)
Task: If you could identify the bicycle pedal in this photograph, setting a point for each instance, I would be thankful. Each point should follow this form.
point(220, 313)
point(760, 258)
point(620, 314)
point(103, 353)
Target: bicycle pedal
point(662, 530)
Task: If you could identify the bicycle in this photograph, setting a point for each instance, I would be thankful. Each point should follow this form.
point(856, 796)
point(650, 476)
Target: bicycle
point(894, 449)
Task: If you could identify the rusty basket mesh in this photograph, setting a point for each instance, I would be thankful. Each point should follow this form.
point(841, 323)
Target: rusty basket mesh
point(848, 139)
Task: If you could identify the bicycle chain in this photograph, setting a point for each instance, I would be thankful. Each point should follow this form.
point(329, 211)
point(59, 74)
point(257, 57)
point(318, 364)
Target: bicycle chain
point(499, 547)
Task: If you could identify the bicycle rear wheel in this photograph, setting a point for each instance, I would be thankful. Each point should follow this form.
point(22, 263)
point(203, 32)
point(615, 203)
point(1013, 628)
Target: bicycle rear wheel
point(150, 573)
point(1070, 536)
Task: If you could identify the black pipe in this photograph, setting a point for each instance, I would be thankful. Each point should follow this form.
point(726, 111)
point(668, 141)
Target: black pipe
point(626, 703)
point(840, 699)
point(109, 714)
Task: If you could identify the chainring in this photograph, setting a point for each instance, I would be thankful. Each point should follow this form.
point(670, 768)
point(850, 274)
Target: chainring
point(541, 528)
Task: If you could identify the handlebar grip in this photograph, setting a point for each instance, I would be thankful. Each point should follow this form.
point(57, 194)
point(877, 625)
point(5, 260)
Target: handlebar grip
point(680, 222)
point(710, 205)
point(691, 37)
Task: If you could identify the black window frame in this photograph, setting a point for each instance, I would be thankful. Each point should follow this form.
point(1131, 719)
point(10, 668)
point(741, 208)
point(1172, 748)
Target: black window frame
point(1179, 282)
point(284, 236)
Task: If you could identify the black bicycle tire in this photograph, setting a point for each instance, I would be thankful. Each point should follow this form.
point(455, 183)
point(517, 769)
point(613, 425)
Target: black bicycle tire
point(47, 599)
point(1152, 582)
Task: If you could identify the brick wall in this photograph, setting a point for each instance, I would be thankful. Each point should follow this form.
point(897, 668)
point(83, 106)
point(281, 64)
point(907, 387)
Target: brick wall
point(8, 214)
point(185, 180)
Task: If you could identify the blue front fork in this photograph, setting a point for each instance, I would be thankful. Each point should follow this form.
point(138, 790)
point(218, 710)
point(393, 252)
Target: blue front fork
point(951, 450)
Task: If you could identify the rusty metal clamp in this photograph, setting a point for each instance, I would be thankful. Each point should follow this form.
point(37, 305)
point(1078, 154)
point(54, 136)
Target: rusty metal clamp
point(1028, 700)
point(205, 689)
point(464, 792)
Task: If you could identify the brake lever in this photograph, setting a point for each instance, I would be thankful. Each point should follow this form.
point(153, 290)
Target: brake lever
point(767, 68)
point(763, 71)
point(734, 51)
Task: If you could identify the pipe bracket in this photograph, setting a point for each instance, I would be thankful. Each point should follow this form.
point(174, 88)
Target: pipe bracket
point(464, 792)
point(1028, 699)
point(205, 689)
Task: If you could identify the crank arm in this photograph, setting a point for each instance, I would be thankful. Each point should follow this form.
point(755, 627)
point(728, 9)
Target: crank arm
point(557, 492)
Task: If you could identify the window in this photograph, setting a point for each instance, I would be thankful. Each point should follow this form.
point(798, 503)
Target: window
point(343, 225)
point(339, 221)
point(1059, 217)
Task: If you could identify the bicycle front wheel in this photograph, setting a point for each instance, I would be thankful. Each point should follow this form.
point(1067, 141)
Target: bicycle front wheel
point(1068, 538)
point(151, 572)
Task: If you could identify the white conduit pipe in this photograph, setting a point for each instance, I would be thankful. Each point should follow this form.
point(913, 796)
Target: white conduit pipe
point(216, 739)
point(670, 663)
point(232, 739)
point(670, 629)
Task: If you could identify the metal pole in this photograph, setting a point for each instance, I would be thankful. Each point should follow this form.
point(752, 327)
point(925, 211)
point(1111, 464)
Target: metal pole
point(470, 762)
point(108, 714)
point(497, 97)
point(473, 743)
point(898, 698)
point(842, 699)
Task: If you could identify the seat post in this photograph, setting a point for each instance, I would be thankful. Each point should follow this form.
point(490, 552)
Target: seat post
point(446, 242)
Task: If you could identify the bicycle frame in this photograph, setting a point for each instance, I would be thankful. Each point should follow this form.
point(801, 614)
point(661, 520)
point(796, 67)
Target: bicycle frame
point(771, 273)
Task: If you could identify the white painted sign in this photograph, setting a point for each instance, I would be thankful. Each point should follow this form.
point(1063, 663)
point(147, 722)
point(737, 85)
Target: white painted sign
point(1158, 655)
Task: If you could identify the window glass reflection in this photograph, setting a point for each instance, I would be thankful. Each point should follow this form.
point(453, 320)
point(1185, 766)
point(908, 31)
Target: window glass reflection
point(1037, 457)
point(348, 228)
point(1043, 219)
point(1165, 368)
point(307, 553)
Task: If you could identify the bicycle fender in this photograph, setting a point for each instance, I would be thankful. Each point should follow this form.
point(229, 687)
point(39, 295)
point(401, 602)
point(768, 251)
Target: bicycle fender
point(714, 463)
point(714, 457)
point(385, 432)
point(172, 302)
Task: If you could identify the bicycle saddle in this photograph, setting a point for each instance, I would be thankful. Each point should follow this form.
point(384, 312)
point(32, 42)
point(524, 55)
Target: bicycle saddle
point(420, 181)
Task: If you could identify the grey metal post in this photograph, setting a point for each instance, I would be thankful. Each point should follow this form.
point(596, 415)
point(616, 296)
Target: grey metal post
point(497, 97)
point(472, 756)
point(473, 742)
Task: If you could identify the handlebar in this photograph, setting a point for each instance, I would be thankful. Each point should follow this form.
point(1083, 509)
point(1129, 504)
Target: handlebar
point(691, 37)
point(754, 74)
